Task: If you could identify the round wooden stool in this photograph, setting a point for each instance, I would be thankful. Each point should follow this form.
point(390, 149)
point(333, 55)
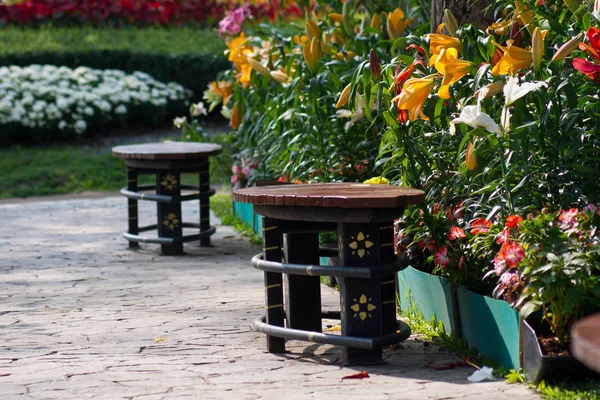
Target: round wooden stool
point(585, 341)
point(167, 161)
point(363, 217)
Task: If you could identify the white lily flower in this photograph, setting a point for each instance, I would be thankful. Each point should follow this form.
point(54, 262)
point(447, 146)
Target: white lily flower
point(472, 116)
point(198, 109)
point(513, 91)
point(179, 121)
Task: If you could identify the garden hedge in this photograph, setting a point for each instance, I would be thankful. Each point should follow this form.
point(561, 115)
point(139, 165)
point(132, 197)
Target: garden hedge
point(191, 57)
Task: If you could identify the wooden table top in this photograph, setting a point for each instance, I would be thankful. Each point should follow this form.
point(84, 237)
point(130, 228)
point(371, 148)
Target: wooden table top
point(331, 195)
point(167, 151)
point(585, 341)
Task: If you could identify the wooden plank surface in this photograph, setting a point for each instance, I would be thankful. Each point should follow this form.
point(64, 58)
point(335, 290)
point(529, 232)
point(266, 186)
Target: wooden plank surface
point(585, 341)
point(335, 195)
point(167, 151)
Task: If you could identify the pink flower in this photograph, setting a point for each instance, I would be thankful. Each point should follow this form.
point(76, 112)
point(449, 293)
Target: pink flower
point(456, 233)
point(232, 23)
point(427, 244)
point(590, 207)
point(510, 279)
point(441, 257)
point(499, 265)
point(461, 262)
point(568, 218)
point(512, 253)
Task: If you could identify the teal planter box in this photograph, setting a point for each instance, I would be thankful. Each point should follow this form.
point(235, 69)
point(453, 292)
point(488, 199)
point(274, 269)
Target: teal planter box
point(427, 294)
point(257, 224)
point(245, 212)
point(490, 325)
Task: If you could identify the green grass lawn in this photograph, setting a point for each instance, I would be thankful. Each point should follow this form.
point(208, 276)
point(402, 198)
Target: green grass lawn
point(59, 169)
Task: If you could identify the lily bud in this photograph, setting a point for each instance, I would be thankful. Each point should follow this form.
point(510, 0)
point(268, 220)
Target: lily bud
point(597, 6)
point(537, 49)
point(312, 53)
point(451, 24)
point(336, 17)
point(489, 90)
point(344, 97)
point(312, 29)
point(280, 77)
point(566, 49)
point(347, 18)
point(376, 22)
point(470, 158)
point(375, 65)
point(259, 68)
point(525, 15)
point(236, 117)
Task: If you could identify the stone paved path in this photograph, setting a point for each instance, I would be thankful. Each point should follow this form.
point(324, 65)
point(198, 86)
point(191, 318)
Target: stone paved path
point(81, 317)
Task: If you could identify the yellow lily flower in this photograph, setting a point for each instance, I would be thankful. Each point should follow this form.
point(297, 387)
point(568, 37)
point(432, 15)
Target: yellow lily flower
point(396, 24)
point(452, 68)
point(378, 180)
point(244, 73)
point(237, 49)
point(524, 16)
point(414, 93)
point(514, 58)
point(300, 40)
point(439, 42)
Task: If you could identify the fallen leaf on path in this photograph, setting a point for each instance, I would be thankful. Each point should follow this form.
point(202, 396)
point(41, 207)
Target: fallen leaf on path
point(159, 339)
point(334, 328)
point(360, 375)
point(440, 367)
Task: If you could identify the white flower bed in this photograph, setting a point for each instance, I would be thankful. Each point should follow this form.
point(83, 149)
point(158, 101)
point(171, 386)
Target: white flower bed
point(60, 98)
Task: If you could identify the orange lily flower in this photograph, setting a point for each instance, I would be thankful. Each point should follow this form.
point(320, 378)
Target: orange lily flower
point(396, 24)
point(453, 69)
point(439, 42)
point(513, 59)
point(414, 94)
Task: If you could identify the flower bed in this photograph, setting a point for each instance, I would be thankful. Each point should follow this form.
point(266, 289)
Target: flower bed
point(130, 12)
point(192, 57)
point(498, 126)
point(42, 103)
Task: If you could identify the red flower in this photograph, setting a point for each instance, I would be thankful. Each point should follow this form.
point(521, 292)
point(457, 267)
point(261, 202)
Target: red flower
point(456, 233)
point(480, 225)
point(441, 257)
point(503, 236)
point(513, 221)
point(427, 244)
point(512, 253)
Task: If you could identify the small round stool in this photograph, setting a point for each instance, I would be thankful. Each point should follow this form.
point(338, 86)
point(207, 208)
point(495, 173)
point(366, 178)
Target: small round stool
point(167, 161)
point(363, 216)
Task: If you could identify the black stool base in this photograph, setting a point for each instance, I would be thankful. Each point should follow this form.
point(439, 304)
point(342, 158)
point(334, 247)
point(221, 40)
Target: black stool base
point(364, 351)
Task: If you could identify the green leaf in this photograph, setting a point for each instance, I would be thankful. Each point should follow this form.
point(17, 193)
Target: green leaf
point(528, 308)
point(572, 300)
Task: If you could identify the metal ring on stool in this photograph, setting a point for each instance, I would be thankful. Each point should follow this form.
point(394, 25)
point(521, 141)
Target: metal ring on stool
point(317, 337)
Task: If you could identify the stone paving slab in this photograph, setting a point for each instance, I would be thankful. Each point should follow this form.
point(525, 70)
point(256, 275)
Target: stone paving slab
point(80, 315)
